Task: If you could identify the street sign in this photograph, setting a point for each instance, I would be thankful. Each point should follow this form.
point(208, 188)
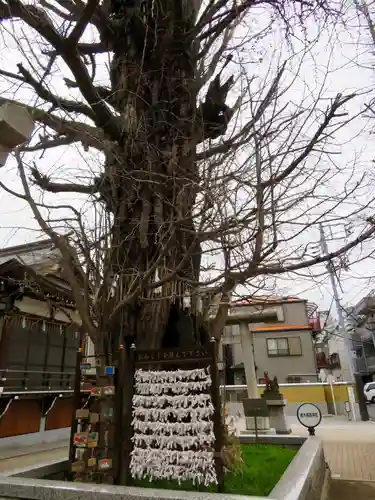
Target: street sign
point(109, 370)
point(351, 394)
point(255, 407)
point(352, 400)
point(309, 416)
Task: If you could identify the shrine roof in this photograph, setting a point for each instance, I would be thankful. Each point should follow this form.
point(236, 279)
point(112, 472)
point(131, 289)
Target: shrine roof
point(36, 265)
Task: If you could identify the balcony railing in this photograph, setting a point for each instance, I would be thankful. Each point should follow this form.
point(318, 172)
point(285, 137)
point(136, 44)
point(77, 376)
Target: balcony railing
point(366, 305)
point(35, 381)
point(361, 365)
point(330, 362)
point(315, 324)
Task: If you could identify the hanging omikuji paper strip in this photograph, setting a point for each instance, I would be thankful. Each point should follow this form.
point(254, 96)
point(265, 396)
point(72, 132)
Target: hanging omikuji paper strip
point(173, 429)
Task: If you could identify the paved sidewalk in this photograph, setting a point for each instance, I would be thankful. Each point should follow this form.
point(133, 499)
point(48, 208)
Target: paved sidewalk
point(18, 451)
point(351, 461)
point(18, 458)
point(349, 446)
point(350, 490)
point(337, 429)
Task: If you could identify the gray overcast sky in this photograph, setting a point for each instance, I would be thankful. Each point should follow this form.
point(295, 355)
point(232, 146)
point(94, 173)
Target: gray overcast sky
point(346, 74)
point(352, 70)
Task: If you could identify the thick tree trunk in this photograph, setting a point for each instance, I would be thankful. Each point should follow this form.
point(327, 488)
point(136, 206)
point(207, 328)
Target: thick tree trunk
point(150, 181)
point(149, 185)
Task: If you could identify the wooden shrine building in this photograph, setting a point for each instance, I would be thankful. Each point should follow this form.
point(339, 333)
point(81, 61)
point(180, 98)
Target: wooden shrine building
point(38, 343)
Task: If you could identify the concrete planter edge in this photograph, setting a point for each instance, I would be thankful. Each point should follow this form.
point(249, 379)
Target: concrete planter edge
point(300, 478)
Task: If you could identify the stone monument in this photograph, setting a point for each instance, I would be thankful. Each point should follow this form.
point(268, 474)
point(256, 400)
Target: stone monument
point(276, 405)
point(256, 412)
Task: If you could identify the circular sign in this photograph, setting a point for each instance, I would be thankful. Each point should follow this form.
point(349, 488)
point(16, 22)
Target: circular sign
point(309, 415)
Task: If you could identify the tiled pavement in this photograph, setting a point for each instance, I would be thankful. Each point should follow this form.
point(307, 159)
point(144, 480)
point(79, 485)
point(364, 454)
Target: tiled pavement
point(349, 446)
point(351, 461)
point(351, 490)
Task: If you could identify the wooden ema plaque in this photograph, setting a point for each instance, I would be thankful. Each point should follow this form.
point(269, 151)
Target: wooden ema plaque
point(200, 364)
point(94, 443)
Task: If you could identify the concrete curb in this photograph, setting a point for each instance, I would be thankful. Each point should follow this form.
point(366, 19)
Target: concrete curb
point(305, 477)
point(303, 474)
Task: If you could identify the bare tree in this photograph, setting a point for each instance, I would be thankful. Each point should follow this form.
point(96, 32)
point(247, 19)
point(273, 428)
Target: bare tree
point(193, 196)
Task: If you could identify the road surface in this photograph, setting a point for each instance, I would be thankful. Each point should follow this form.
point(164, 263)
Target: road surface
point(371, 411)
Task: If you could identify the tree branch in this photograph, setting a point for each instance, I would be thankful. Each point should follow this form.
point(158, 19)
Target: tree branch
point(278, 269)
point(81, 24)
point(44, 183)
point(83, 49)
point(227, 18)
point(78, 132)
point(72, 16)
point(71, 265)
point(105, 93)
point(242, 137)
point(49, 144)
point(338, 102)
point(39, 21)
point(92, 48)
point(65, 104)
point(75, 9)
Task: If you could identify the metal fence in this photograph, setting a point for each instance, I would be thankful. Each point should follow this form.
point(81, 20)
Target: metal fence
point(35, 381)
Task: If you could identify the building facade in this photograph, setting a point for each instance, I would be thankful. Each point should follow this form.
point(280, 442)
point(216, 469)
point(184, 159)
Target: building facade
point(282, 337)
point(39, 337)
point(363, 314)
point(331, 355)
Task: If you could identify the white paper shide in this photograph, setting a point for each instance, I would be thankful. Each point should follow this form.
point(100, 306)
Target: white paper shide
point(173, 429)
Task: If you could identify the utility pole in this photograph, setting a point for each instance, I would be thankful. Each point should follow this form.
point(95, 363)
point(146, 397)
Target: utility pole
point(354, 377)
point(341, 321)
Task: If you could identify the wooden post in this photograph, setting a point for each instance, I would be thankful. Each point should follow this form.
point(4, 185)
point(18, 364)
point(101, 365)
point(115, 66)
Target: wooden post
point(119, 397)
point(46, 382)
point(217, 418)
point(63, 332)
point(75, 405)
point(127, 416)
point(26, 366)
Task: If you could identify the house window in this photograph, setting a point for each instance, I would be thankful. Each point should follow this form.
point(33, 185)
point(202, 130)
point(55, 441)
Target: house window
point(286, 346)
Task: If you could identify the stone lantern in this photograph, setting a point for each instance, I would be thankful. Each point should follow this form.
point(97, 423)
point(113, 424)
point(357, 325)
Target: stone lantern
point(16, 127)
